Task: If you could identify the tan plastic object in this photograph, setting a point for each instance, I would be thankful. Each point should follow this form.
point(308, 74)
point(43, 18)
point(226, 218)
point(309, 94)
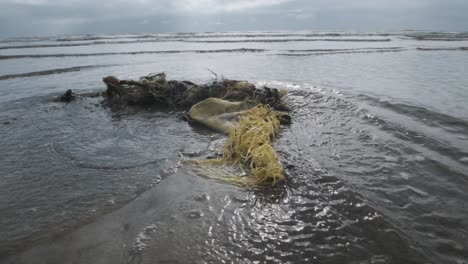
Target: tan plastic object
point(218, 114)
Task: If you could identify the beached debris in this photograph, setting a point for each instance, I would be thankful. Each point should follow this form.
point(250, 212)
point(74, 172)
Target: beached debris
point(249, 145)
point(251, 116)
point(223, 116)
point(217, 114)
point(68, 96)
point(155, 91)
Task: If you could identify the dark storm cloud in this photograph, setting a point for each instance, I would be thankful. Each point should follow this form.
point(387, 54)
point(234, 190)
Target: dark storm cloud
point(51, 17)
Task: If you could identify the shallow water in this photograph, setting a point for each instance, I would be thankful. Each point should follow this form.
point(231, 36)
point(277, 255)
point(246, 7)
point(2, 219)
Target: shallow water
point(376, 157)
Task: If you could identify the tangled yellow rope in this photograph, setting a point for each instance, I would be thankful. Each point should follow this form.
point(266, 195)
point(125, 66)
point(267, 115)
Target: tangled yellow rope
point(249, 145)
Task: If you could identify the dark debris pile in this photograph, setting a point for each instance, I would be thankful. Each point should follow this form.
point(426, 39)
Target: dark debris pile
point(155, 91)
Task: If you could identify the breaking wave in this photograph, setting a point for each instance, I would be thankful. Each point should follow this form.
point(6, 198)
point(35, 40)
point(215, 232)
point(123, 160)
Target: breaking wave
point(7, 57)
point(82, 44)
point(446, 48)
point(226, 35)
point(438, 36)
point(338, 51)
point(195, 36)
point(52, 45)
point(49, 72)
point(290, 40)
point(356, 49)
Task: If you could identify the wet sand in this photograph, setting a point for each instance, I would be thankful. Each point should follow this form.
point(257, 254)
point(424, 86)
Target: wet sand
point(168, 224)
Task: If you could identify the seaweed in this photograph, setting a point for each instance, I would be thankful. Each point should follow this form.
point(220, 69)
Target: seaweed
point(154, 90)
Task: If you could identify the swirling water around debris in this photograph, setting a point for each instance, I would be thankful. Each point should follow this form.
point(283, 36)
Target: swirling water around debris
point(376, 157)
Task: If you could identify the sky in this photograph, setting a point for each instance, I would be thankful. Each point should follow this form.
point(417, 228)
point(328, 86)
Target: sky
point(59, 17)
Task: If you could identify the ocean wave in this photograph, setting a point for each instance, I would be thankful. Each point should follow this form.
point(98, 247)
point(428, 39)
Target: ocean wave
point(229, 35)
point(22, 56)
point(27, 39)
point(93, 43)
point(430, 118)
point(89, 38)
point(438, 36)
point(51, 45)
point(443, 39)
point(415, 35)
point(280, 35)
point(225, 35)
point(355, 49)
point(413, 136)
point(49, 72)
point(188, 36)
point(445, 48)
point(289, 40)
point(338, 52)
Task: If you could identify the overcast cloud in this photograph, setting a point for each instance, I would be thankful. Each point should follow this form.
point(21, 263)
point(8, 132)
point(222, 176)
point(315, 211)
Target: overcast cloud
point(54, 17)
